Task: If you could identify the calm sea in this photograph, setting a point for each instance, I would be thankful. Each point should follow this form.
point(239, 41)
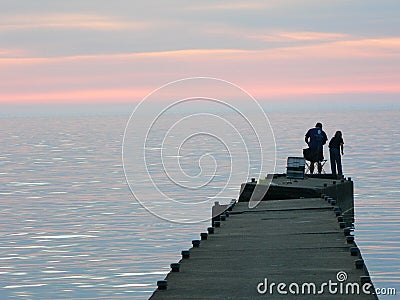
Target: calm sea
point(71, 229)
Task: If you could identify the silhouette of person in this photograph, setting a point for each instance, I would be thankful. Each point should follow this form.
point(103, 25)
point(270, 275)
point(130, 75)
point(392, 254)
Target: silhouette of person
point(316, 138)
point(335, 148)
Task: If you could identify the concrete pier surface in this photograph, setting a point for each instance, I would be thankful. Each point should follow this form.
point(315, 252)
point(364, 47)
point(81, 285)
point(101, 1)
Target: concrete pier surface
point(292, 248)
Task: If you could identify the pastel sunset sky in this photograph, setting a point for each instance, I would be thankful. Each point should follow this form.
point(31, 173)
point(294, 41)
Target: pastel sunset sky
point(119, 51)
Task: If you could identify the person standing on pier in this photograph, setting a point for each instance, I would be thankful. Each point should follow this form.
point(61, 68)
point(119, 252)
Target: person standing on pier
point(335, 148)
point(316, 138)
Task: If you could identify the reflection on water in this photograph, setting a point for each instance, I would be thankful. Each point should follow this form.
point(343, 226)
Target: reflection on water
point(69, 227)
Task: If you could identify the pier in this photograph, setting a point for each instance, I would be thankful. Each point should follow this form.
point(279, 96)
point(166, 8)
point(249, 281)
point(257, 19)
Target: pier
point(297, 244)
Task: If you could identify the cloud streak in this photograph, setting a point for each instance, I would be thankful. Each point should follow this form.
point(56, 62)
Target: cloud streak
point(353, 66)
point(277, 35)
point(303, 36)
point(229, 6)
point(68, 21)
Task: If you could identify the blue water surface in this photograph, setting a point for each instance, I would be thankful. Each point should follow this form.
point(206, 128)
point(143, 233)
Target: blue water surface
point(71, 229)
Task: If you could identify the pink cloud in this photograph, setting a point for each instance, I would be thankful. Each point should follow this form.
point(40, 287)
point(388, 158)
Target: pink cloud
point(229, 6)
point(83, 21)
point(287, 36)
point(354, 48)
point(352, 66)
point(276, 36)
point(12, 52)
point(79, 96)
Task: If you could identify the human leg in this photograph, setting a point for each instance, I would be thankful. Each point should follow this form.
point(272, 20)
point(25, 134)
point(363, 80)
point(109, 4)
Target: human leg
point(332, 161)
point(339, 163)
point(337, 160)
point(311, 167)
point(319, 167)
point(320, 158)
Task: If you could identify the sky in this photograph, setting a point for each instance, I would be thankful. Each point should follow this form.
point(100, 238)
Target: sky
point(97, 51)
